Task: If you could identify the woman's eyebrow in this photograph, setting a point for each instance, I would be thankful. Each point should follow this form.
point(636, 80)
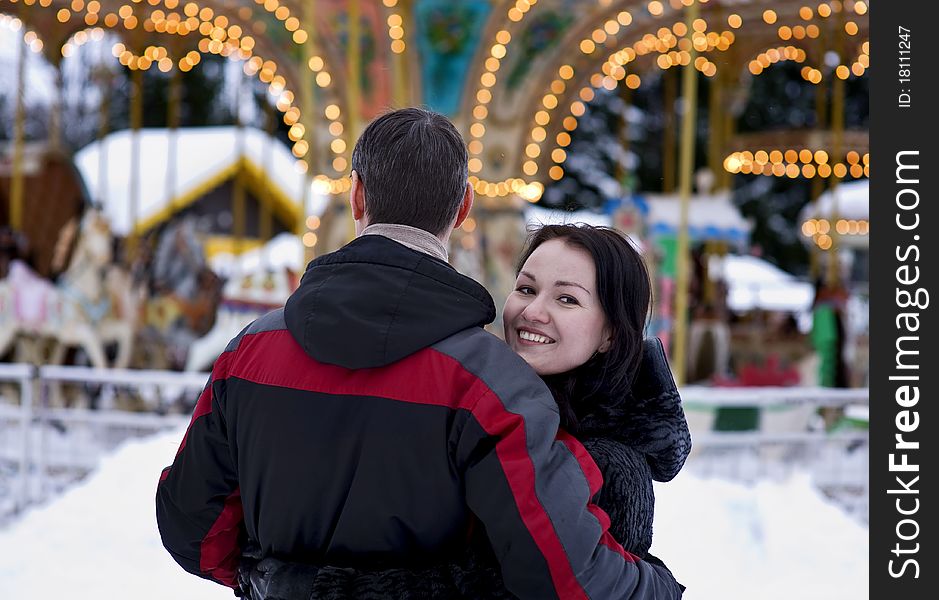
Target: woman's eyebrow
point(571, 284)
point(559, 283)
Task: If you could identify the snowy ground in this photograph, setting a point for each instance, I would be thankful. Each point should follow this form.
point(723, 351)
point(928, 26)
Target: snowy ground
point(722, 540)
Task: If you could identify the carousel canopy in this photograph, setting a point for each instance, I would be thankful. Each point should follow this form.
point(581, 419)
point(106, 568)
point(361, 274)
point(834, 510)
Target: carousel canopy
point(710, 217)
point(204, 158)
point(753, 283)
point(854, 202)
point(846, 209)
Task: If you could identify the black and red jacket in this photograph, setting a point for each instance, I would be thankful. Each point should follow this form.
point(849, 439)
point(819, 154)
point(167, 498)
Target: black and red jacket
point(370, 421)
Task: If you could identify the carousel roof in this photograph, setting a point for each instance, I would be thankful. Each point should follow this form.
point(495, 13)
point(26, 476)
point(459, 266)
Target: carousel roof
point(205, 158)
point(753, 283)
point(854, 202)
point(851, 202)
point(710, 217)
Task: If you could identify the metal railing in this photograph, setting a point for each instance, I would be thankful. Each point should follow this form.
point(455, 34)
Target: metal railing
point(790, 437)
point(44, 448)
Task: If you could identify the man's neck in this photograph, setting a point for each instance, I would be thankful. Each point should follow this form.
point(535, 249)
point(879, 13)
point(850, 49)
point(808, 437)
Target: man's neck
point(412, 237)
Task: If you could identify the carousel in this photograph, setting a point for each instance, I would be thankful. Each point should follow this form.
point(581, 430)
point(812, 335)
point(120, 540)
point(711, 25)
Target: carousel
point(514, 75)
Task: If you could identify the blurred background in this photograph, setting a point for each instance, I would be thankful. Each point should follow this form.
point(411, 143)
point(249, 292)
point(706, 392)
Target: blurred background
point(167, 168)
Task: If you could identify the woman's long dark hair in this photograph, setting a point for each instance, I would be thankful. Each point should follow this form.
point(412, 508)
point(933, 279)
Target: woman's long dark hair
point(595, 391)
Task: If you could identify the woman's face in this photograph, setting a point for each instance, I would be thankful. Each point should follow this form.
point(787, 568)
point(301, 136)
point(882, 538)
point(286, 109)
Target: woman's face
point(554, 319)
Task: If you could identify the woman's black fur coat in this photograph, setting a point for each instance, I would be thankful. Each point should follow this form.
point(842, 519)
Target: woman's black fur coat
point(646, 440)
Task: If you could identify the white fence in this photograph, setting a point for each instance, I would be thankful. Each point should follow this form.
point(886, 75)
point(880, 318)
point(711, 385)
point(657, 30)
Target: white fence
point(44, 448)
point(790, 437)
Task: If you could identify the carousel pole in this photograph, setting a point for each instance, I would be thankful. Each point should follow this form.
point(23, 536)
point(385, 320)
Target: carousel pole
point(354, 62)
point(626, 95)
point(669, 84)
point(837, 151)
point(728, 123)
point(238, 208)
point(818, 184)
point(19, 131)
point(399, 61)
point(689, 118)
point(354, 77)
point(103, 117)
point(55, 118)
point(716, 143)
point(172, 122)
point(308, 108)
point(136, 121)
point(265, 226)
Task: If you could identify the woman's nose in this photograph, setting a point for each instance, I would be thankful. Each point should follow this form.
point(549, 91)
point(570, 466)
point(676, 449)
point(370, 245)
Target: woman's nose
point(536, 312)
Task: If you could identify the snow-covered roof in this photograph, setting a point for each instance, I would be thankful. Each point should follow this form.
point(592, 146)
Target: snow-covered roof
point(284, 251)
point(710, 217)
point(536, 216)
point(755, 283)
point(854, 202)
point(205, 157)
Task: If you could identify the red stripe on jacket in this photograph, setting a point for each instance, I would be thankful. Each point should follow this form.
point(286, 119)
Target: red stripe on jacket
point(256, 363)
point(595, 479)
point(204, 404)
point(220, 553)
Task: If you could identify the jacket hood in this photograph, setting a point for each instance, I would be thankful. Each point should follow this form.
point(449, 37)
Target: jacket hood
point(375, 301)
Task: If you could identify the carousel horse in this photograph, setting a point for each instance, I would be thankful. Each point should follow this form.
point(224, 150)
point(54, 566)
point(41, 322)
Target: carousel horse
point(185, 297)
point(91, 307)
point(244, 299)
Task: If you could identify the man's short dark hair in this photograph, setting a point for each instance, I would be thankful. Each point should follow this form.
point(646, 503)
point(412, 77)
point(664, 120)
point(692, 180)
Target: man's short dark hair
point(412, 163)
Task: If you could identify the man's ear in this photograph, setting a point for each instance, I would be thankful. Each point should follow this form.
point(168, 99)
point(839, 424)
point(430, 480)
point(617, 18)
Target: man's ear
point(466, 206)
point(357, 198)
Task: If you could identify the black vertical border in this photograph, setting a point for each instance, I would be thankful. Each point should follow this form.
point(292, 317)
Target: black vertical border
point(893, 129)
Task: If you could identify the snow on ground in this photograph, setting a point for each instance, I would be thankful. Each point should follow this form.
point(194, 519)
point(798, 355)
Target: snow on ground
point(721, 539)
point(100, 539)
point(768, 541)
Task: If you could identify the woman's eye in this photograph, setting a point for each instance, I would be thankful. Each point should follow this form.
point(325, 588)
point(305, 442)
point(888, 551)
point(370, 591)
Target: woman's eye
point(568, 300)
point(524, 289)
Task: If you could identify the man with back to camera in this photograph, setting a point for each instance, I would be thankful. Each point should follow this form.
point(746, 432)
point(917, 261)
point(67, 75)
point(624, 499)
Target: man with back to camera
point(367, 422)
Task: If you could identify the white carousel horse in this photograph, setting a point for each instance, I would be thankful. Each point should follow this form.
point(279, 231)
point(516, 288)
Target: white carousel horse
point(91, 307)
